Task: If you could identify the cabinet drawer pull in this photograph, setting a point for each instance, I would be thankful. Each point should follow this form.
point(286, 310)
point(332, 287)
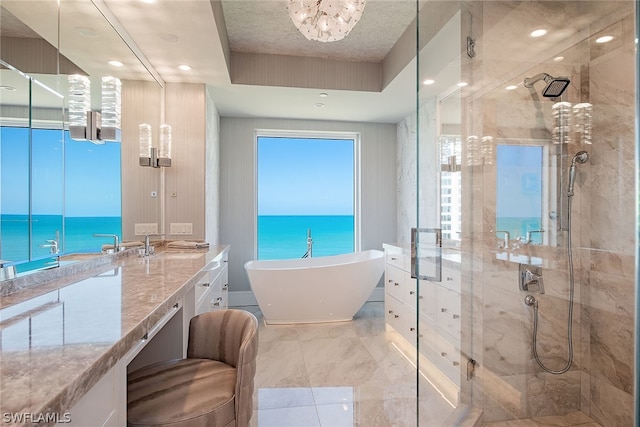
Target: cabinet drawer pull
point(219, 299)
point(443, 354)
point(206, 285)
point(412, 329)
point(444, 310)
point(394, 259)
point(456, 316)
point(396, 316)
point(449, 279)
point(412, 292)
point(396, 284)
point(456, 363)
point(225, 287)
point(390, 311)
point(216, 304)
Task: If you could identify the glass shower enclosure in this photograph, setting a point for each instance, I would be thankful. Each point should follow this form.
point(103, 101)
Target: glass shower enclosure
point(523, 205)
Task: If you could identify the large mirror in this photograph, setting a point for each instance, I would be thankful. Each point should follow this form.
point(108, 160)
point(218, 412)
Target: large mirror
point(57, 192)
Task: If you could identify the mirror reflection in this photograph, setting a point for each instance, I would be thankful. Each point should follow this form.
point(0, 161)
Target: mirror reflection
point(57, 192)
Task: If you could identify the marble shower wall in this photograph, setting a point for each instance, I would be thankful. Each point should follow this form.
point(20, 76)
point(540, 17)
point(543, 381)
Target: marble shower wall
point(497, 326)
point(600, 382)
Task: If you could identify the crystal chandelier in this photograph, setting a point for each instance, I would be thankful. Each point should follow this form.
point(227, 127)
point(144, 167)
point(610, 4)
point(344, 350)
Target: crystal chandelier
point(325, 20)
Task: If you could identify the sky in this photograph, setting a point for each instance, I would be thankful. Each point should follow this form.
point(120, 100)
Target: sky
point(519, 181)
point(305, 176)
point(91, 175)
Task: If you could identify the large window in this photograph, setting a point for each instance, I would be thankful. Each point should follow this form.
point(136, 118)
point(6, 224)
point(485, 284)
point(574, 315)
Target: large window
point(306, 184)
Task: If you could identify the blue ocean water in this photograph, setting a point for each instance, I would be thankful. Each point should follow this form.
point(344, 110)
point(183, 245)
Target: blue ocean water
point(78, 234)
point(285, 236)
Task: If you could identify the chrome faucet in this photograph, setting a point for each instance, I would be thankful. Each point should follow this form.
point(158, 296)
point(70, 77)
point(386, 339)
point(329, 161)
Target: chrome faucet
point(309, 245)
point(507, 236)
point(53, 247)
point(529, 233)
point(116, 240)
point(147, 244)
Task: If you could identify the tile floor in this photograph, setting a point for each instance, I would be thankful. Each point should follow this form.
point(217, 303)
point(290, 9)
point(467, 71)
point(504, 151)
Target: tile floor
point(300, 383)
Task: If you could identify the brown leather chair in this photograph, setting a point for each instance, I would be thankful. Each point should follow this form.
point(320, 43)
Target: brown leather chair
point(212, 387)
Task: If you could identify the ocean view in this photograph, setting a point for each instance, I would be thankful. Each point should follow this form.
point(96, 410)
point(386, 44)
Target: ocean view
point(78, 234)
point(285, 236)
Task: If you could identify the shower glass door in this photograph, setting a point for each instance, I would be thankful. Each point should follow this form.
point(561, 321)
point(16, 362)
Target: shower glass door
point(437, 250)
point(525, 212)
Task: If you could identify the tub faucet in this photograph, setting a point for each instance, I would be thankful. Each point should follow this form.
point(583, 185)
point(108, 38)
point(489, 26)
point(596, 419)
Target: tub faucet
point(507, 236)
point(116, 240)
point(53, 247)
point(309, 245)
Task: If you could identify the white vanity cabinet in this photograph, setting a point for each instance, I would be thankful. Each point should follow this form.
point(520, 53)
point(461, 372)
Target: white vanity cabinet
point(430, 309)
point(212, 289)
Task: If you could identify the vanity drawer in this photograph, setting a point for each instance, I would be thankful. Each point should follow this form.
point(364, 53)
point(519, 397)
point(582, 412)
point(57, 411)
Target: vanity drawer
point(448, 311)
point(394, 282)
point(410, 291)
point(451, 278)
point(393, 312)
point(398, 260)
point(427, 299)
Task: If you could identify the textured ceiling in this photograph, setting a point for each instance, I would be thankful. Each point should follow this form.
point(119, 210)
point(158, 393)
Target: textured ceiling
point(265, 27)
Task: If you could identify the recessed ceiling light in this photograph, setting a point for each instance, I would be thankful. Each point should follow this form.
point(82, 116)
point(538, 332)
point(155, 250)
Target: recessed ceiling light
point(8, 88)
point(323, 95)
point(558, 59)
point(604, 39)
point(538, 33)
point(184, 67)
point(428, 82)
point(511, 87)
point(319, 105)
point(462, 84)
point(87, 32)
point(115, 63)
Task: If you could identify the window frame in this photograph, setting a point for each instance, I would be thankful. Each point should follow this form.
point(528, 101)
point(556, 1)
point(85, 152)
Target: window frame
point(306, 134)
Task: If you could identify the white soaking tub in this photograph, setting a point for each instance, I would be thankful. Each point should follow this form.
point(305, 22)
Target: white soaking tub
point(315, 290)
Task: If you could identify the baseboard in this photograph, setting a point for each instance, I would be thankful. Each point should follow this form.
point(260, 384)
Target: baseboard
point(245, 298)
point(241, 299)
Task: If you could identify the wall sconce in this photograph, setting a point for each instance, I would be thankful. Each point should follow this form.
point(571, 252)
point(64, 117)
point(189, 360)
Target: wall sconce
point(149, 155)
point(87, 125)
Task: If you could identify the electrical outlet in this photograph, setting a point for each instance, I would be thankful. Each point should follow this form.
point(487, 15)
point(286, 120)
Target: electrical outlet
point(142, 229)
point(181, 228)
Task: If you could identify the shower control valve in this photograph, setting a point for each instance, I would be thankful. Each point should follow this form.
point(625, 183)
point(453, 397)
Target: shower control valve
point(529, 277)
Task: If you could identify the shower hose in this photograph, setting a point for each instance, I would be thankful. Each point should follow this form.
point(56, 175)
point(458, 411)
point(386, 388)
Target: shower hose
point(570, 318)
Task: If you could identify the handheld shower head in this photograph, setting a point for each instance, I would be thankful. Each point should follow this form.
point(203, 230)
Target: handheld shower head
point(580, 157)
point(555, 85)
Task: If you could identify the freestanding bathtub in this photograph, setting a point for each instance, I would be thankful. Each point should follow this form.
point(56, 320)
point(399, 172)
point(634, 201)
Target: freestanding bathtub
point(314, 290)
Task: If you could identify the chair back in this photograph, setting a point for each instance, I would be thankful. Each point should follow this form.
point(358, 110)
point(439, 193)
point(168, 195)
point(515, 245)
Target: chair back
point(229, 336)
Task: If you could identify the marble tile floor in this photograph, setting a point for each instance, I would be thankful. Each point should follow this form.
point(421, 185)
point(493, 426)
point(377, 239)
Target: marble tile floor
point(350, 374)
point(575, 419)
point(339, 374)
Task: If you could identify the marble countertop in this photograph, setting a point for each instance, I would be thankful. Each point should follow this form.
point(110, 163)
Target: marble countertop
point(60, 337)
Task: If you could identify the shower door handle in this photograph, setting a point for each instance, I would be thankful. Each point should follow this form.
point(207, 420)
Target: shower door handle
point(435, 250)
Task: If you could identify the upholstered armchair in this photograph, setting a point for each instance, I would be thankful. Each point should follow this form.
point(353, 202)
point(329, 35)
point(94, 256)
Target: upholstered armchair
point(212, 387)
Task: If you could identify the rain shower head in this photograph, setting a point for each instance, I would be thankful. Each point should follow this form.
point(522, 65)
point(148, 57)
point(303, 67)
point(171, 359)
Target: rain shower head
point(555, 85)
